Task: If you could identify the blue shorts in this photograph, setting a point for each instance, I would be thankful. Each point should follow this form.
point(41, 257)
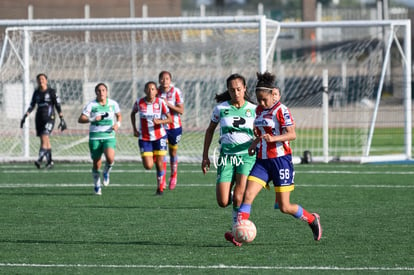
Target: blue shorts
point(279, 170)
point(174, 136)
point(156, 147)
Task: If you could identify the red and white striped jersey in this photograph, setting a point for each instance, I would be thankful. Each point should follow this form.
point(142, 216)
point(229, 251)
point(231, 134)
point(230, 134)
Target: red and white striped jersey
point(273, 121)
point(147, 111)
point(174, 96)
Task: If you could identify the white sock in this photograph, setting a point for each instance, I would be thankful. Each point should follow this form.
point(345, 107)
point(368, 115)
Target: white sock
point(96, 178)
point(108, 167)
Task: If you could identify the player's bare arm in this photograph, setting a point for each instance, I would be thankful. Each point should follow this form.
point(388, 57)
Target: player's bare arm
point(178, 108)
point(133, 123)
point(288, 135)
point(208, 137)
point(167, 120)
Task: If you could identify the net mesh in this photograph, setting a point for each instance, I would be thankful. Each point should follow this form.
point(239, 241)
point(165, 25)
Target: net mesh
point(199, 58)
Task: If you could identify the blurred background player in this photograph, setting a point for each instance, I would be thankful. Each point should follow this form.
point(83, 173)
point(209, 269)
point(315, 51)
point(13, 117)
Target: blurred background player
point(46, 100)
point(175, 102)
point(153, 113)
point(275, 128)
point(101, 113)
point(235, 114)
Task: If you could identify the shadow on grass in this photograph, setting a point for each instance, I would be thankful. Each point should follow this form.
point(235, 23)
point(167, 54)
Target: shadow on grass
point(56, 242)
point(49, 194)
point(143, 207)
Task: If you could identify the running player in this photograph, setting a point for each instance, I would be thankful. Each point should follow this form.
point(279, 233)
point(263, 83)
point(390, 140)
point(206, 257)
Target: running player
point(152, 137)
point(275, 128)
point(46, 100)
point(101, 113)
point(174, 99)
point(235, 114)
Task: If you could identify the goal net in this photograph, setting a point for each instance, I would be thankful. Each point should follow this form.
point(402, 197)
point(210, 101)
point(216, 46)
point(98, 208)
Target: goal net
point(361, 111)
point(76, 54)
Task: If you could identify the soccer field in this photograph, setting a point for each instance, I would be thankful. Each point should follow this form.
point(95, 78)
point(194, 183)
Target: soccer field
point(51, 223)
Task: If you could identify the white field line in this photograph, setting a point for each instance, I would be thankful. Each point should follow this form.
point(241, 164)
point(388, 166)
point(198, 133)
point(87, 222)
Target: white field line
point(209, 185)
point(140, 170)
point(184, 184)
point(211, 267)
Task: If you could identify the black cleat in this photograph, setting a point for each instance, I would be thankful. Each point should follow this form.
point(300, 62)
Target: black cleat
point(50, 165)
point(37, 164)
point(159, 192)
point(316, 227)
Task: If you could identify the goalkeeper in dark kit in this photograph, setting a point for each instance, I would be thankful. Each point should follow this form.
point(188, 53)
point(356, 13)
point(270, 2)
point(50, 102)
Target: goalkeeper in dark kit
point(47, 101)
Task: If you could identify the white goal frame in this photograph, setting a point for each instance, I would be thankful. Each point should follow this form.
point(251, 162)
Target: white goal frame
point(265, 62)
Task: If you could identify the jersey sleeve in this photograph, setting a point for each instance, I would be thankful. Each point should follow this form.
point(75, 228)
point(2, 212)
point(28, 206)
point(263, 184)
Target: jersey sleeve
point(116, 107)
point(215, 117)
point(179, 98)
point(87, 110)
point(285, 117)
point(135, 107)
point(32, 104)
point(56, 100)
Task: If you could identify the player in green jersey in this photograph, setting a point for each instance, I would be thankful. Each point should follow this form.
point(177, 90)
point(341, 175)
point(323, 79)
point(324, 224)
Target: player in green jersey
point(101, 113)
point(235, 113)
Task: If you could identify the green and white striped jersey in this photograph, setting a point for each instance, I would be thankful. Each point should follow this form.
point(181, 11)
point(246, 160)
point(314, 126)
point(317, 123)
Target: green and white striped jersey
point(101, 129)
point(236, 127)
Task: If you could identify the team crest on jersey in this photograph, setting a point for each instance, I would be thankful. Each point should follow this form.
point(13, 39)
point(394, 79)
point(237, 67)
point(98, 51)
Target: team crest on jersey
point(156, 106)
point(248, 113)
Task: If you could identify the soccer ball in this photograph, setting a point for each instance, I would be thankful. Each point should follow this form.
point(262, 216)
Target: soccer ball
point(244, 231)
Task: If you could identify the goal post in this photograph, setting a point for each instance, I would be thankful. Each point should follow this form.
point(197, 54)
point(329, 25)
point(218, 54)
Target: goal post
point(367, 114)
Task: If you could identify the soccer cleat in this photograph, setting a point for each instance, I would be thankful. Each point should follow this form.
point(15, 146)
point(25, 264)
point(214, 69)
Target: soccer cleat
point(98, 190)
point(316, 227)
point(159, 192)
point(50, 165)
point(105, 178)
point(229, 237)
point(172, 183)
point(37, 164)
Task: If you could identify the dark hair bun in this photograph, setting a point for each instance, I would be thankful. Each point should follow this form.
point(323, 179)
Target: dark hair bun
point(265, 79)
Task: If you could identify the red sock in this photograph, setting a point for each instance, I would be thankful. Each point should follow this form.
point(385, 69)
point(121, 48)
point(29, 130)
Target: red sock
point(243, 216)
point(174, 169)
point(160, 186)
point(308, 217)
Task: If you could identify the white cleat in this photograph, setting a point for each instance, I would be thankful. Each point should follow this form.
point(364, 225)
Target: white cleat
point(105, 179)
point(98, 190)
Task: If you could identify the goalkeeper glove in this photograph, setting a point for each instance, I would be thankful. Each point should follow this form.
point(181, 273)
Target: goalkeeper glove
point(62, 125)
point(22, 121)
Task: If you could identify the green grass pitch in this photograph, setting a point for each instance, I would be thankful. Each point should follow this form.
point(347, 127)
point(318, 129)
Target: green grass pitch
point(51, 223)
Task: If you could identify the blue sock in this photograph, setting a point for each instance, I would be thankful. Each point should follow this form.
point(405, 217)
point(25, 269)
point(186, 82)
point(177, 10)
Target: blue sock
point(160, 173)
point(245, 208)
point(298, 214)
